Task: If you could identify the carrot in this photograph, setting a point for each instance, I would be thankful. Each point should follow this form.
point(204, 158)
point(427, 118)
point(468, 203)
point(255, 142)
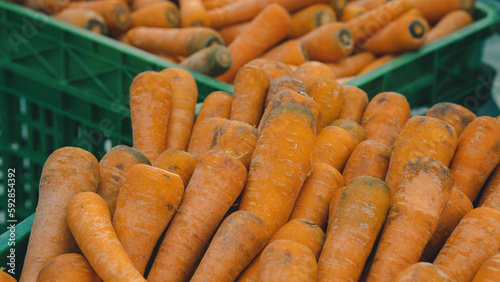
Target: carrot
point(67, 267)
point(328, 43)
point(334, 146)
point(450, 23)
point(285, 260)
point(384, 117)
point(238, 240)
point(434, 11)
point(283, 83)
point(229, 33)
point(212, 4)
point(355, 102)
point(138, 4)
point(377, 63)
point(150, 128)
point(404, 34)
point(47, 6)
point(422, 271)
point(334, 204)
point(353, 128)
point(351, 65)
point(369, 158)
point(330, 96)
point(423, 191)
point(89, 221)
point(316, 194)
point(66, 172)
point(216, 183)
point(116, 14)
point(236, 138)
point(352, 11)
point(338, 6)
point(299, 230)
point(203, 135)
point(456, 208)
point(187, 40)
point(477, 155)
point(178, 162)
point(273, 69)
point(184, 95)
point(354, 229)
point(369, 23)
point(367, 4)
point(309, 72)
point(491, 193)
point(113, 167)
point(193, 13)
point(250, 88)
point(310, 18)
point(290, 52)
point(83, 18)
point(489, 270)
point(212, 61)
point(163, 14)
point(280, 164)
point(216, 105)
point(455, 115)
point(474, 241)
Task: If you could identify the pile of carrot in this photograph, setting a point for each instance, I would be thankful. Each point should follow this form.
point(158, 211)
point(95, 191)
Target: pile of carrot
point(290, 178)
point(218, 37)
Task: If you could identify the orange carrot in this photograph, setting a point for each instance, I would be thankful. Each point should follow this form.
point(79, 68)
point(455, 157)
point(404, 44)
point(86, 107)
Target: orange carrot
point(309, 72)
point(352, 11)
point(353, 128)
point(274, 69)
point(334, 146)
point(422, 271)
point(334, 204)
point(474, 241)
point(283, 83)
point(367, 4)
point(423, 191)
point(384, 117)
point(164, 14)
point(113, 167)
point(491, 193)
point(47, 6)
point(328, 43)
point(369, 158)
point(116, 14)
point(66, 172)
point(354, 229)
point(173, 41)
point(316, 194)
point(238, 240)
point(203, 136)
point(433, 11)
point(377, 63)
point(280, 164)
point(212, 61)
point(307, 19)
point(67, 267)
point(216, 183)
point(290, 52)
point(193, 13)
point(212, 4)
point(455, 115)
point(450, 23)
point(83, 18)
point(267, 29)
point(489, 270)
point(216, 105)
point(355, 102)
point(351, 65)
point(229, 33)
point(150, 128)
point(250, 88)
point(138, 4)
point(330, 96)
point(178, 162)
point(4, 277)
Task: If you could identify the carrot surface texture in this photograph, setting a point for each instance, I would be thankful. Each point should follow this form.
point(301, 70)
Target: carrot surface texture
point(116, 13)
point(67, 267)
point(307, 19)
point(203, 135)
point(450, 23)
point(330, 97)
point(66, 172)
point(216, 183)
point(193, 13)
point(422, 271)
point(356, 131)
point(433, 11)
point(369, 158)
point(274, 69)
point(377, 63)
point(89, 221)
point(290, 52)
point(328, 43)
point(355, 102)
point(83, 18)
point(164, 14)
point(491, 194)
point(283, 83)
point(311, 71)
point(47, 6)
point(351, 65)
point(216, 105)
point(455, 115)
point(138, 4)
point(4, 277)
point(178, 162)
point(333, 146)
point(489, 270)
point(212, 61)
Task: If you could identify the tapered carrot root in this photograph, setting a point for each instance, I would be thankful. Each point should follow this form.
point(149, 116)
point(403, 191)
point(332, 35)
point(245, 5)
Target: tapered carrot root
point(489, 270)
point(450, 23)
point(305, 20)
point(355, 102)
point(475, 240)
point(354, 229)
point(377, 63)
point(477, 155)
point(113, 167)
point(334, 146)
point(216, 105)
point(150, 128)
point(238, 240)
point(250, 88)
point(491, 194)
point(284, 260)
point(356, 131)
point(283, 83)
point(291, 52)
point(164, 14)
point(212, 61)
point(216, 183)
point(330, 96)
point(66, 172)
point(83, 18)
point(434, 11)
point(47, 6)
point(351, 65)
point(115, 13)
point(174, 41)
point(203, 137)
point(89, 221)
point(274, 69)
point(352, 11)
point(67, 267)
point(328, 43)
point(316, 193)
point(309, 72)
point(369, 158)
point(193, 13)
point(455, 115)
point(270, 193)
point(384, 117)
point(422, 271)
point(178, 162)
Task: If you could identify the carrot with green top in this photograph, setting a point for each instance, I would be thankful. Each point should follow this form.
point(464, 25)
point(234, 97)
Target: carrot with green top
point(193, 13)
point(434, 11)
point(360, 215)
point(328, 43)
point(291, 52)
point(377, 63)
point(422, 271)
point(203, 136)
point(489, 270)
point(274, 69)
point(178, 162)
point(67, 267)
point(164, 14)
point(455, 115)
point(116, 13)
point(212, 61)
point(330, 96)
point(450, 23)
point(334, 146)
point(369, 158)
point(307, 19)
point(83, 18)
point(351, 65)
point(491, 193)
point(66, 172)
point(352, 127)
point(355, 102)
point(216, 105)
